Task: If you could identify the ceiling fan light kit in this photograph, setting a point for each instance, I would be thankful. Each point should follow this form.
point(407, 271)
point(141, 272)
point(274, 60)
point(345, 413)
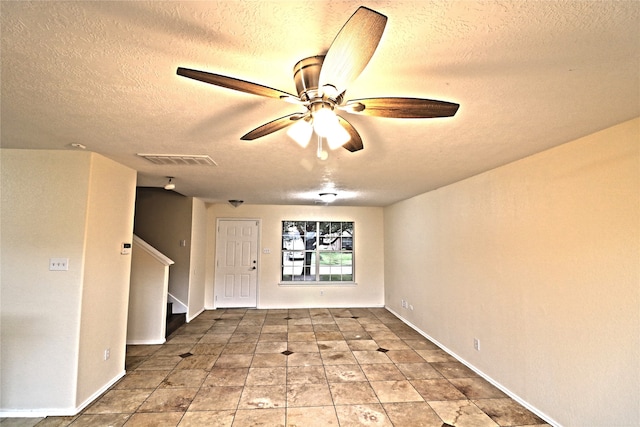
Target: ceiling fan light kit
point(321, 83)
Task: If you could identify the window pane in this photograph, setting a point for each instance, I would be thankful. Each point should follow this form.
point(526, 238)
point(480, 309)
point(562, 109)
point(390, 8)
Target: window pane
point(317, 251)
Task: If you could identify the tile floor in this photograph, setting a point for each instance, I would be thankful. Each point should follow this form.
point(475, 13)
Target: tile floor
point(305, 368)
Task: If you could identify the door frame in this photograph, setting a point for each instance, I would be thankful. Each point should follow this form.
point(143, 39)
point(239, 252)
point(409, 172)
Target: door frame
point(258, 222)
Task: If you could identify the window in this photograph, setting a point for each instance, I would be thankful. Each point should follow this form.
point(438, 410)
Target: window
point(317, 251)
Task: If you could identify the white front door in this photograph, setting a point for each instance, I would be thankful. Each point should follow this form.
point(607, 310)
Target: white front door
point(236, 263)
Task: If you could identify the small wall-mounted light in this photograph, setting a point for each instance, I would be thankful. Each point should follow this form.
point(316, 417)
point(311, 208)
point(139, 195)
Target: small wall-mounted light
point(236, 203)
point(328, 197)
point(170, 185)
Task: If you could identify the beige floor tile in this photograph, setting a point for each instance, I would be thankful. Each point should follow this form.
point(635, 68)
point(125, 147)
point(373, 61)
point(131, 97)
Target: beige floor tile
point(507, 412)
point(304, 359)
point(119, 401)
point(303, 347)
point(320, 416)
point(159, 363)
point(382, 372)
point(169, 400)
point(267, 360)
point(271, 347)
point(260, 418)
point(338, 345)
point(437, 389)
point(461, 413)
point(477, 388)
point(435, 356)
point(180, 378)
point(363, 345)
point(165, 419)
point(204, 348)
point(344, 373)
point(50, 421)
point(338, 358)
point(306, 374)
point(370, 357)
point(362, 415)
point(225, 377)
point(418, 371)
point(412, 414)
point(263, 397)
point(216, 398)
point(115, 420)
point(404, 356)
point(395, 391)
point(233, 361)
point(266, 376)
point(302, 395)
point(352, 393)
point(394, 344)
point(207, 418)
point(454, 370)
point(142, 379)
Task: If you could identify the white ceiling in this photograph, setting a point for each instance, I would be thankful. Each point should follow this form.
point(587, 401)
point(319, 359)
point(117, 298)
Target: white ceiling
point(528, 76)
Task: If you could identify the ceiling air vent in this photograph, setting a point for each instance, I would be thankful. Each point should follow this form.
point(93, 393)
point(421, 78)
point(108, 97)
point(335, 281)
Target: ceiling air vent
point(180, 159)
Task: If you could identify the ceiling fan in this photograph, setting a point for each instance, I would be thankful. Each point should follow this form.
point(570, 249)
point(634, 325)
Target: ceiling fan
point(321, 82)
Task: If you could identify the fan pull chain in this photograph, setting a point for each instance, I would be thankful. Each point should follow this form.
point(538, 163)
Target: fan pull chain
point(322, 154)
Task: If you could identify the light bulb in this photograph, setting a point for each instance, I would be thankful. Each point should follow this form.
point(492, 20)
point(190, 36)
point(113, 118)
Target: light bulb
point(301, 132)
point(323, 121)
point(328, 197)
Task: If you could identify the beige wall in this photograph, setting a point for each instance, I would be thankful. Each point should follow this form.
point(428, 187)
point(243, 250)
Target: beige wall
point(198, 258)
point(59, 204)
point(367, 246)
point(105, 291)
point(539, 260)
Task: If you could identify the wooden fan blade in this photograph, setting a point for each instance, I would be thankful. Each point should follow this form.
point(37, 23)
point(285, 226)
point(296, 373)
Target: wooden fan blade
point(273, 126)
point(412, 108)
point(352, 49)
point(355, 143)
point(232, 83)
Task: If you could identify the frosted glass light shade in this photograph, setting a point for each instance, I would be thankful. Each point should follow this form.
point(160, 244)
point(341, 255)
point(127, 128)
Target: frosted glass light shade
point(301, 132)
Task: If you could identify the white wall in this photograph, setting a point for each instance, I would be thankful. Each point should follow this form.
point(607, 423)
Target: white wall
point(539, 260)
point(147, 318)
point(368, 247)
point(48, 317)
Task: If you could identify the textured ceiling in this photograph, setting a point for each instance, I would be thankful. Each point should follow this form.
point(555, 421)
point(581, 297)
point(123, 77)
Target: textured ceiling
point(528, 75)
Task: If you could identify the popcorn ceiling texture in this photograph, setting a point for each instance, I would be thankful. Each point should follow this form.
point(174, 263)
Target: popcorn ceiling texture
point(528, 76)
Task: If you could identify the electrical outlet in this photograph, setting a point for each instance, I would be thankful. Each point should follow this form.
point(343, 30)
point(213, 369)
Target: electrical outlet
point(404, 304)
point(58, 264)
point(266, 251)
point(476, 344)
point(107, 353)
point(321, 293)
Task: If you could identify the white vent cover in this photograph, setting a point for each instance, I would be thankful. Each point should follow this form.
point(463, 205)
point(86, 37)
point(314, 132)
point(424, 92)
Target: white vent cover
point(180, 159)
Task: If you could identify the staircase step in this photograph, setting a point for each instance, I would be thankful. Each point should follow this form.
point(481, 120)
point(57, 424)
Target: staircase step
point(174, 321)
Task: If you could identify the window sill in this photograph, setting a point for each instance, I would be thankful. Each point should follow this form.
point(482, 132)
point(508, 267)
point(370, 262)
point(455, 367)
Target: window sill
point(316, 284)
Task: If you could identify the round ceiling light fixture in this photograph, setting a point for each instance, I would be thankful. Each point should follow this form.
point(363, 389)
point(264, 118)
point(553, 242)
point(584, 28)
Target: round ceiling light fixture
point(328, 197)
point(170, 185)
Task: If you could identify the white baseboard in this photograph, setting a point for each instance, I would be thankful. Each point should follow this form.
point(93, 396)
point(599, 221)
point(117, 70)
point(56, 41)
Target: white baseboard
point(493, 382)
point(60, 412)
